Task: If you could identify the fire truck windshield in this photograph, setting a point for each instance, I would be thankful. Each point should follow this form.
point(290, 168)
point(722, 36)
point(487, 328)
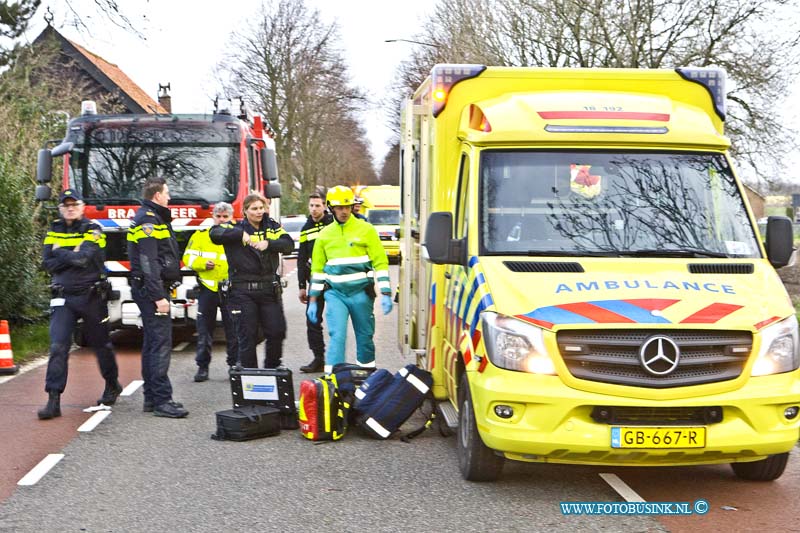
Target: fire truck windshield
point(110, 164)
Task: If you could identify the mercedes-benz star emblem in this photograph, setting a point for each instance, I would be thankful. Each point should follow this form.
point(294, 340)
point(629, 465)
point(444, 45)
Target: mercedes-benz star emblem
point(659, 355)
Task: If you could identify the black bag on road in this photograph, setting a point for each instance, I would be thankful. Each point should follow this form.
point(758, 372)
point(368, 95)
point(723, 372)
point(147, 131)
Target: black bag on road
point(247, 422)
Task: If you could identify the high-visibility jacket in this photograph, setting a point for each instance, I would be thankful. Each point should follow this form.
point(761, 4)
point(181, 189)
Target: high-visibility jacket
point(348, 257)
point(75, 269)
point(153, 250)
point(198, 252)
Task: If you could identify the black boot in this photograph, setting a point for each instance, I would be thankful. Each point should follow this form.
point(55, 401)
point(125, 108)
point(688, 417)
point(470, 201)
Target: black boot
point(53, 407)
point(202, 374)
point(314, 366)
point(110, 393)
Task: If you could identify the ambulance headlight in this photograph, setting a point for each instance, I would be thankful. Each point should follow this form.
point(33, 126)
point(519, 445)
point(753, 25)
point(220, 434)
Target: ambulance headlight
point(514, 345)
point(778, 351)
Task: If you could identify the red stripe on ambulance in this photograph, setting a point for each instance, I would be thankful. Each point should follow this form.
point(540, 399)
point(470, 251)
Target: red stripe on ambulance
point(593, 312)
point(711, 314)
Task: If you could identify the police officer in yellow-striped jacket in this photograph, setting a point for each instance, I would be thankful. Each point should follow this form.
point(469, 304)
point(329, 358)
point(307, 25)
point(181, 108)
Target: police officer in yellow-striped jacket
point(347, 261)
point(318, 218)
point(208, 260)
point(155, 271)
point(74, 254)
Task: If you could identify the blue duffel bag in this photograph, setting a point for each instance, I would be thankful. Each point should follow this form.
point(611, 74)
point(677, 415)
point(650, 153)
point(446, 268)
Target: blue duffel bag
point(385, 401)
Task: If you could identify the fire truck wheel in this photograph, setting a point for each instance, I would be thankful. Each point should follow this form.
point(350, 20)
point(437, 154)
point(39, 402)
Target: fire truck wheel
point(476, 461)
point(767, 469)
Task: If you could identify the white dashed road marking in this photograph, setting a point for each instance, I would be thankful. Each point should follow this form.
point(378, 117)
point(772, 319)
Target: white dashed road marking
point(93, 421)
point(623, 489)
point(131, 388)
point(38, 471)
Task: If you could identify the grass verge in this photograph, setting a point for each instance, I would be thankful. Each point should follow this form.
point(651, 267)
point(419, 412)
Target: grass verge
point(29, 341)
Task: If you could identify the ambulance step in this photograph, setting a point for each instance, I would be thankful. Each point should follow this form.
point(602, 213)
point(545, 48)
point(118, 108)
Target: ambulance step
point(448, 413)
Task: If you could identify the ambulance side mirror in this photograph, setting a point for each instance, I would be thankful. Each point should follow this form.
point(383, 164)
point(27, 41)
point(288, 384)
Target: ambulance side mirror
point(442, 248)
point(780, 239)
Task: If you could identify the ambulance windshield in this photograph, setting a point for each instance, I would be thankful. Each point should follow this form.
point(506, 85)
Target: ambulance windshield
point(109, 164)
point(612, 204)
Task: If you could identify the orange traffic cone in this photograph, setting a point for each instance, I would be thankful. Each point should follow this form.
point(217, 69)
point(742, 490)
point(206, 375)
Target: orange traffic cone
point(7, 365)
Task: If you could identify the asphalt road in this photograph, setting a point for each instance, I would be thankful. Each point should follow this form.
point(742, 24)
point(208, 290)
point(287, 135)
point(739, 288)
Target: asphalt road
point(136, 472)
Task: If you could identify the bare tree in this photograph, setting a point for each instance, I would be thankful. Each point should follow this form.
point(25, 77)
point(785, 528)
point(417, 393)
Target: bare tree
point(390, 169)
point(737, 35)
point(290, 65)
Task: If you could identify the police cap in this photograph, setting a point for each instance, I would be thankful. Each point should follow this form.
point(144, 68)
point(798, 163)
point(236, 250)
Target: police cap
point(70, 193)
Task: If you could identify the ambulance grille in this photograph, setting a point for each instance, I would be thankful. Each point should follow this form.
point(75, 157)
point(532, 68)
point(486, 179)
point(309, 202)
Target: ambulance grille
point(662, 416)
point(612, 356)
point(543, 266)
point(721, 268)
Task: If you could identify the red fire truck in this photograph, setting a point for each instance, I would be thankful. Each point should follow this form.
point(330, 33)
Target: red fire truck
point(206, 158)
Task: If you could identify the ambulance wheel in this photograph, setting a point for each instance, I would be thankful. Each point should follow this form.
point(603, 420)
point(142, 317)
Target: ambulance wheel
point(444, 429)
point(767, 469)
point(476, 461)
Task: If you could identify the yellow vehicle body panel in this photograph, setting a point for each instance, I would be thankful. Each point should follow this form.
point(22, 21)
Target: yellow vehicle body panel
point(553, 423)
point(383, 198)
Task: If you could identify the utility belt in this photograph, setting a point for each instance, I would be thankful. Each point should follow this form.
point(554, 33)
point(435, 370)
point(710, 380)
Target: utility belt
point(271, 285)
point(369, 289)
point(169, 286)
point(101, 288)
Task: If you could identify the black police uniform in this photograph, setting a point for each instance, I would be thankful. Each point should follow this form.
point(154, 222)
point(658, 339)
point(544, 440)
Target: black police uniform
point(155, 270)
point(78, 291)
point(255, 287)
point(308, 235)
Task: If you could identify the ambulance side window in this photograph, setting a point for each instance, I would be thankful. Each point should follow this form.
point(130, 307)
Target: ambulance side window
point(460, 229)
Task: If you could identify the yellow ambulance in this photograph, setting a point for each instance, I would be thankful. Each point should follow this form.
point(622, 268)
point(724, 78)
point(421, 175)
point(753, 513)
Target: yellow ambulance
point(583, 276)
point(382, 209)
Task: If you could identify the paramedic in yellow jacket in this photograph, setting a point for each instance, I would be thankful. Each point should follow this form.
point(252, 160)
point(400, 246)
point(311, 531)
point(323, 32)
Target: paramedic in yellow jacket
point(209, 261)
point(347, 261)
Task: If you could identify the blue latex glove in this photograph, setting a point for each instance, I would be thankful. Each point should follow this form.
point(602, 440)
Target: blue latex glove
point(311, 312)
point(386, 304)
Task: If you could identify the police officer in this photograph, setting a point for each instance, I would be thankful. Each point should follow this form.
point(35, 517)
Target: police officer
point(74, 255)
point(155, 271)
point(252, 247)
point(348, 258)
point(209, 261)
point(318, 218)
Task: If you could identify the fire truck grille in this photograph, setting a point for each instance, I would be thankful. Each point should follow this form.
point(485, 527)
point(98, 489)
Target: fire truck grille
point(612, 356)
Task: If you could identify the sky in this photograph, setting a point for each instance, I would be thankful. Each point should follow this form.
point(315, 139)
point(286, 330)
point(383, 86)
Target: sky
point(186, 39)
